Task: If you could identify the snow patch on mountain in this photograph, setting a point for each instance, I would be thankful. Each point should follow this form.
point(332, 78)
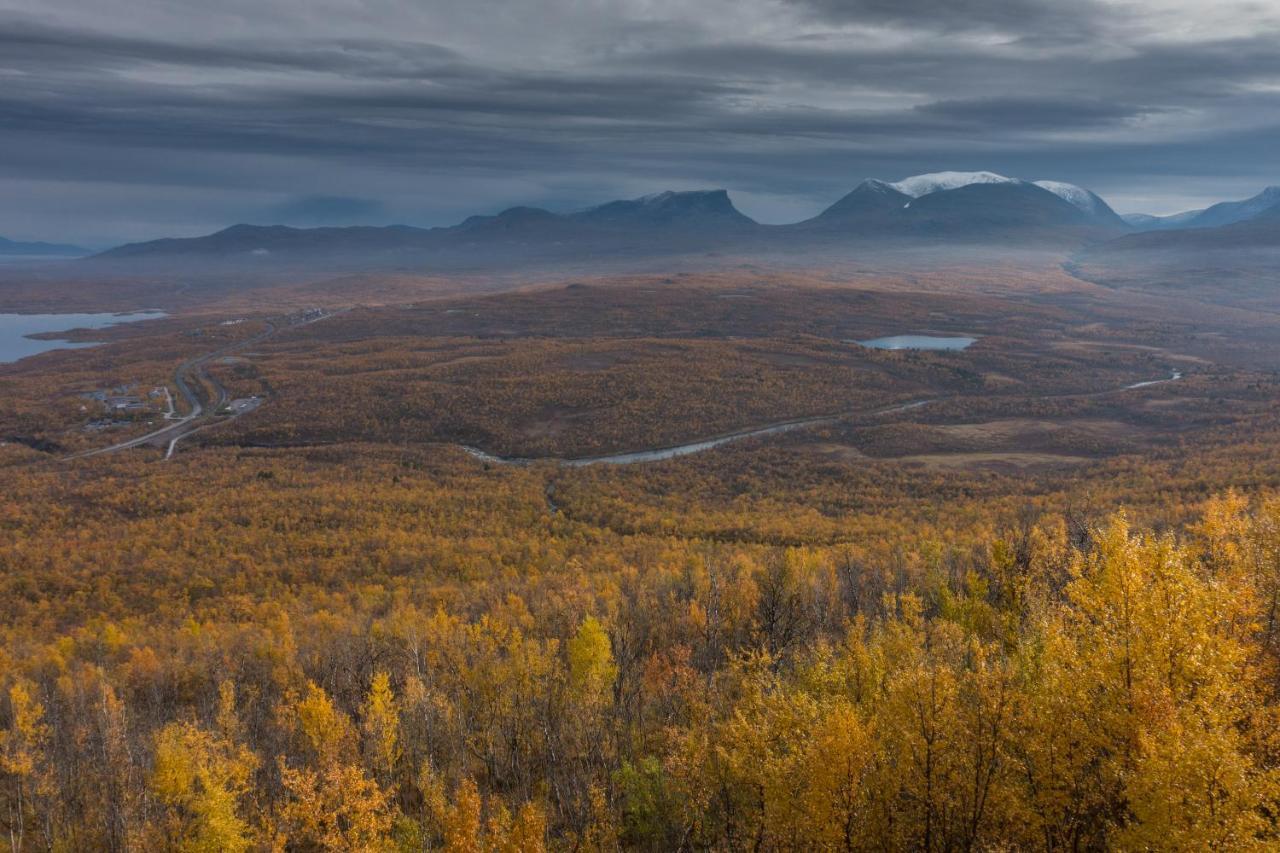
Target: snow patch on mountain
point(1074, 195)
point(921, 185)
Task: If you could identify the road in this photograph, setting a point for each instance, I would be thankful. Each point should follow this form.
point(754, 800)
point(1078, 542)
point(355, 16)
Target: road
point(199, 416)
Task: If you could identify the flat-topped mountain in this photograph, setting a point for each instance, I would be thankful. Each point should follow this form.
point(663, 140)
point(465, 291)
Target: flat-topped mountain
point(697, 209)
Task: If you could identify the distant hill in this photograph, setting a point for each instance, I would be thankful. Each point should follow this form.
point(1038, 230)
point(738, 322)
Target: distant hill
point(1223, 213)
point(1149, 222)
point(266, 240)
point(1231, 212)
point(12, 247)
point(1261, 230)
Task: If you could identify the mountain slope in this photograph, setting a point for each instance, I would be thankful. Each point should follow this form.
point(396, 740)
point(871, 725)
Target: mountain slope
point(1085, 200)
point(870, 203)
point(1231, 212)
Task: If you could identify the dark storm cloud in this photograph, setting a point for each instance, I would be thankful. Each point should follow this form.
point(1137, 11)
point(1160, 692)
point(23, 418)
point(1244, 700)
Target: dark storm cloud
point(120, 122)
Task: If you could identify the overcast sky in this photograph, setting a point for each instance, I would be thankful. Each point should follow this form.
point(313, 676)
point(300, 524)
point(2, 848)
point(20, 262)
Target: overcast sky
point(130, 119)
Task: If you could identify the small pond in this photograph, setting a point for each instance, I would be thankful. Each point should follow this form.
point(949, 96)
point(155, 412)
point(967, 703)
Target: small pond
point(918, 342)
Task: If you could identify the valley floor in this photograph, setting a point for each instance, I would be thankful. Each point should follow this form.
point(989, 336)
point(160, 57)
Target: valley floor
point(1036, 611)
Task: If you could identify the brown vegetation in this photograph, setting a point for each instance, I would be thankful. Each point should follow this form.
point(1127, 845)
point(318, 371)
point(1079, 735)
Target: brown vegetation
point(1038, 613)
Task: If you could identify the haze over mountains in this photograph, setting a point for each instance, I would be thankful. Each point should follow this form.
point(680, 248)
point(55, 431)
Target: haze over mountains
point(950, 206)
point(1233, 263)
point(1261, 230)
point(970, 208)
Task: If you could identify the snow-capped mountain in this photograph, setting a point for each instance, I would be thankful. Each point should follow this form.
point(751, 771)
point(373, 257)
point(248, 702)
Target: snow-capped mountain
point(970, 206)
point(922, 185)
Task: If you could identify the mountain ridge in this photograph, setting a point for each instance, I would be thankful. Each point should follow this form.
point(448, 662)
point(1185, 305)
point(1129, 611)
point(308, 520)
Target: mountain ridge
point(1215, 215)
point(40, 249)
point(1261, 231)
point(962, 207)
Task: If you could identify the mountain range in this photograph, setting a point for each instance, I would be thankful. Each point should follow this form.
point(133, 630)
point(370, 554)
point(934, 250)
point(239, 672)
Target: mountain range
point(949, 206)
point(942, 207)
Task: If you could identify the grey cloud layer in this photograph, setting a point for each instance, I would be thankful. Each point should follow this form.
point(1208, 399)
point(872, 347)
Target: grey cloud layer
point(383, 111)
point(1042, 20)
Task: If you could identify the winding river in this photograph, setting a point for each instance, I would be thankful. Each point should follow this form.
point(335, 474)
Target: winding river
point(660, 453)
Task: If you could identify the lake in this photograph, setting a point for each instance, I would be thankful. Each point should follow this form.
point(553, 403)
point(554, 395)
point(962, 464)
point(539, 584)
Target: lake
point(15, 328)
point(918, 342)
